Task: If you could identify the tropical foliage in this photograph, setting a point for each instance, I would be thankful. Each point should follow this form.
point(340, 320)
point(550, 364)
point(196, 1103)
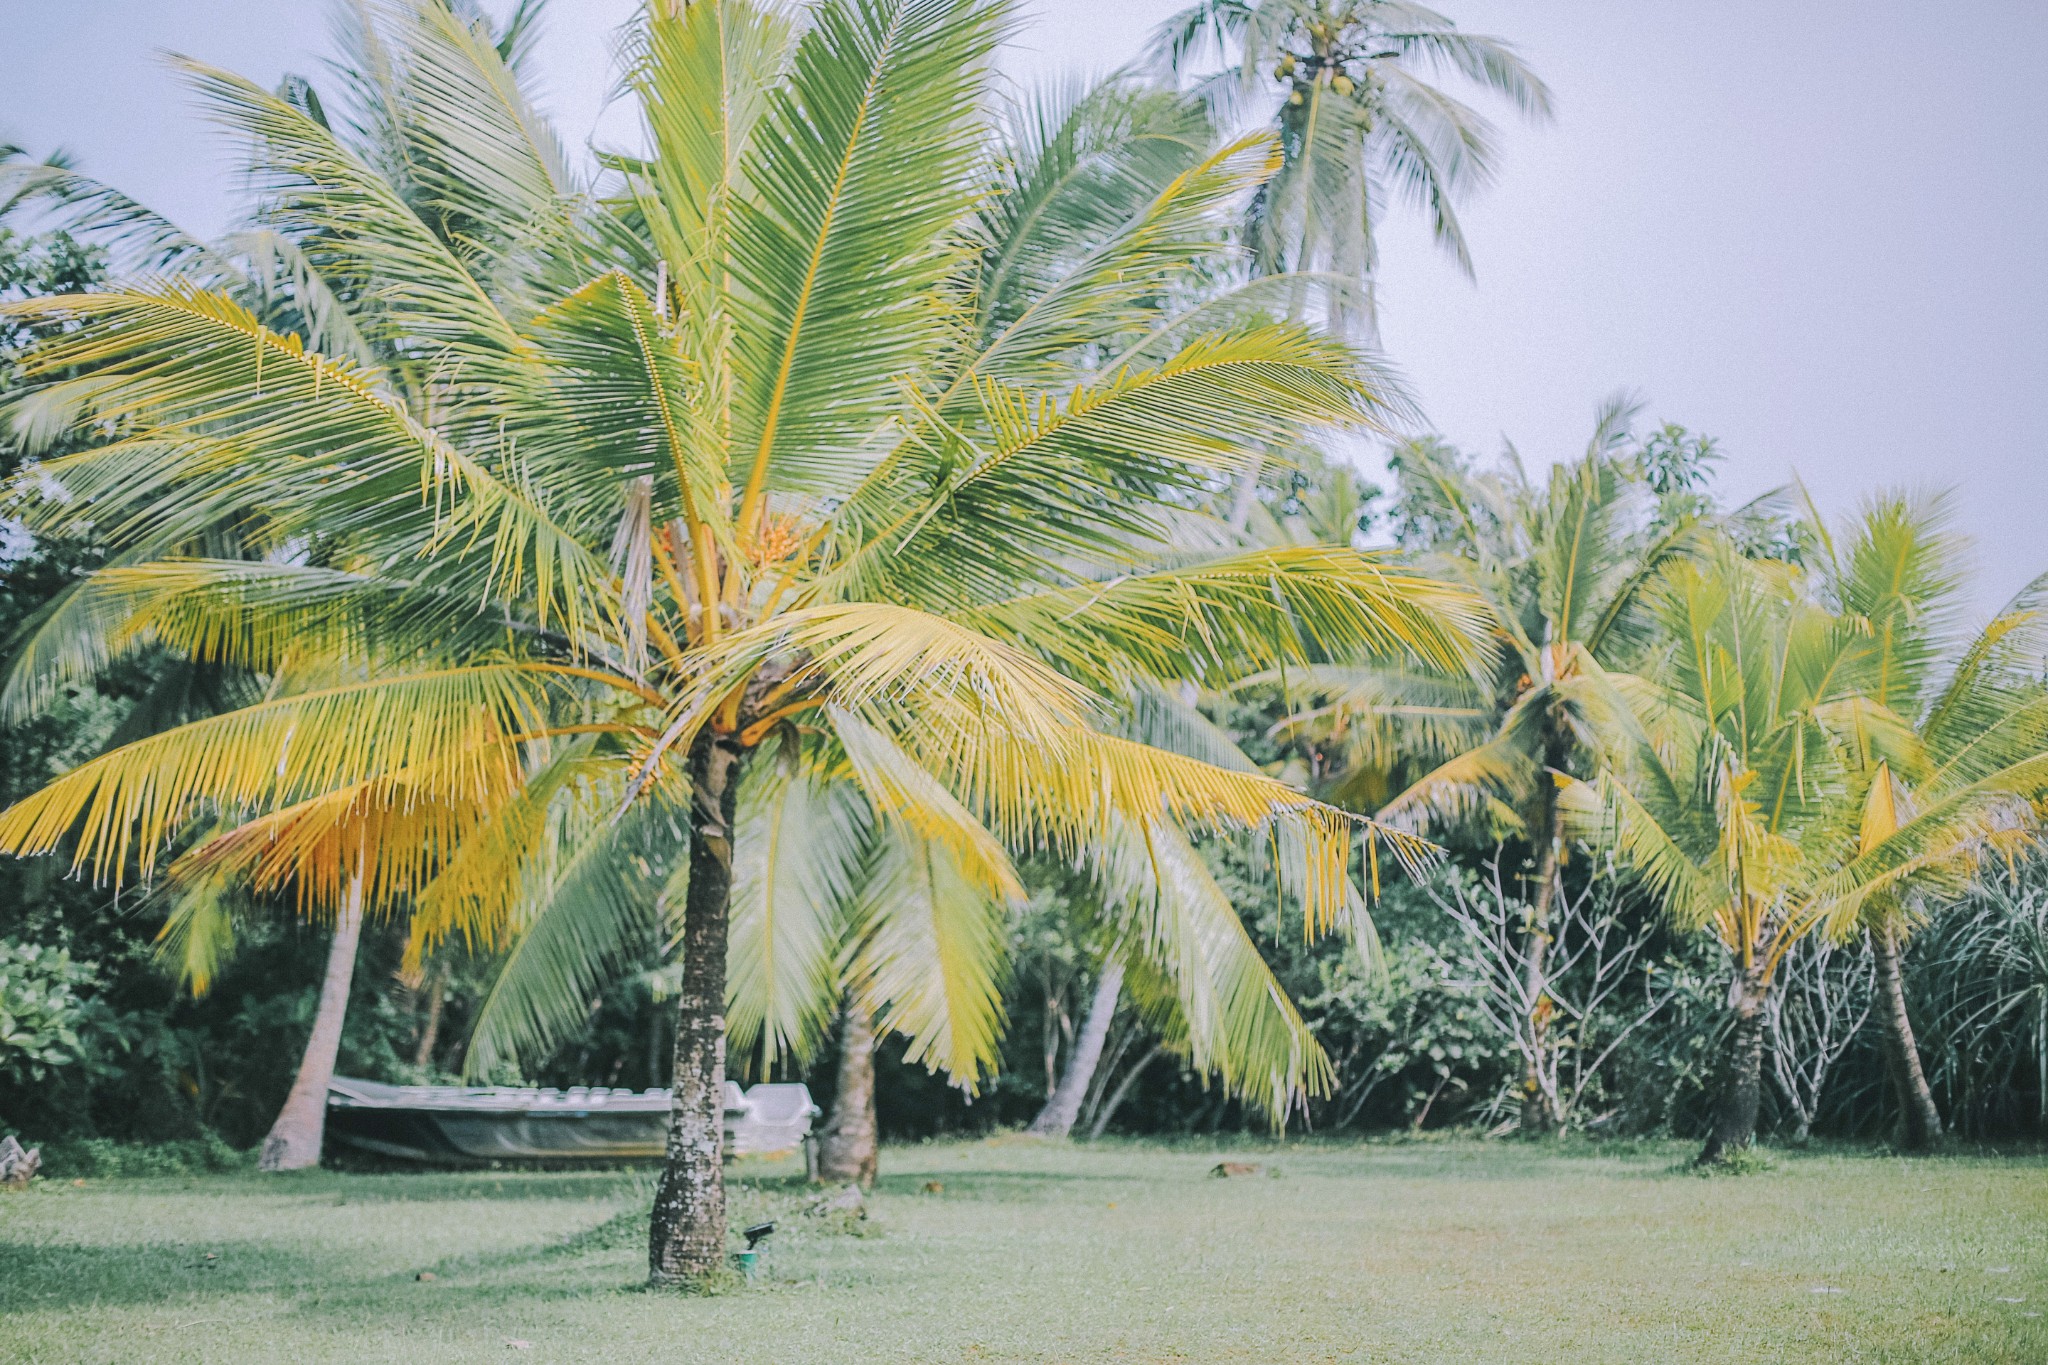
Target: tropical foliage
point(1562, 568)
point(579, 496)
point(822, 562)
point(41, 1011)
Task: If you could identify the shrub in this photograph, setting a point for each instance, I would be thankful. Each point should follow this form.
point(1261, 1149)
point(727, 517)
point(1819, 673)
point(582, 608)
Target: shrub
point(41, 1011)
point(101, 1159)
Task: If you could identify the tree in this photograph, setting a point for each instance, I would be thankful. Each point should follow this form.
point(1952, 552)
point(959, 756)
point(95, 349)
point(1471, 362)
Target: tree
point(267, 270)
point(1561, 567)
point(1079, 172)
point(1959, 767)
point(1359, 120)
point(1358, 116)
point(708, 467)
point(1743, 715)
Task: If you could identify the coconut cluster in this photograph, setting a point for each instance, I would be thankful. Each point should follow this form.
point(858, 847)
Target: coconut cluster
point(1303, 72)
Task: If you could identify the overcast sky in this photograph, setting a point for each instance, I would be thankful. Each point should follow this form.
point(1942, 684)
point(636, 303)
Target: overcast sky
point(1810, 228)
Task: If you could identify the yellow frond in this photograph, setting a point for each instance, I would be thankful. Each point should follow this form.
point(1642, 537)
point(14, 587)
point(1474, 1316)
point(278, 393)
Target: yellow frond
point(456, 723)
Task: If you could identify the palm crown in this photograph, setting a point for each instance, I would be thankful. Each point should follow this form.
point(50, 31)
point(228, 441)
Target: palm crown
point(1359, 117)
point(1744, 710)
point(596, 492)
point(1958, 741)
point(1952, 766)
point(1561, 568)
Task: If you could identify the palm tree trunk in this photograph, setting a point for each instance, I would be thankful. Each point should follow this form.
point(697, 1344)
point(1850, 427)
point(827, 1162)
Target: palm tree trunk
point(1063, 1110)
point(430, 1034)
point(1247, 495)
point(1902, 1050)
point(293, 1143)
point(1539, 1113)
point(1735, 1111)
point(1122, 1092)
point(848, 1149)
point(686, 1234)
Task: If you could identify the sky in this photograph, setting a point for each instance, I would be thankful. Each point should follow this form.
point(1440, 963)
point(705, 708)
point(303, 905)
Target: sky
point(1812, 229)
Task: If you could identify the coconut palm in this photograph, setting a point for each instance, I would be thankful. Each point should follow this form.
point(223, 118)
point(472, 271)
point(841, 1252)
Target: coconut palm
point(1745, 712)
point(631, 493)
point(1561, 567)
point(1918, 822)
point(1078, 170)
point(392, 54)
point(1351, 89)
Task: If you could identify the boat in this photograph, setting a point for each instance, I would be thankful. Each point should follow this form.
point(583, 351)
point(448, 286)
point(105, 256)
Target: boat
point(453, 1125)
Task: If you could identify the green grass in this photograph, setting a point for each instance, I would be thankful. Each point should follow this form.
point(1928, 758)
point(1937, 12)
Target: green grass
point(1453, 1251)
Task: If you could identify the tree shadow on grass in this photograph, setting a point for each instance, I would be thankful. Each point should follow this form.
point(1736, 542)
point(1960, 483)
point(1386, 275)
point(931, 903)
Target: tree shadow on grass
point(1004, 1186)
point(61, 1278)
point(46, 1276)
point(425, 1187)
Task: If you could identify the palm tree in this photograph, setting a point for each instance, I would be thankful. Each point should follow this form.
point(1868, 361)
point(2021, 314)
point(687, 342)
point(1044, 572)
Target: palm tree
point(1744, 712)
point(1961, 763)
point(707, 472)
point(1353, 98)
point(1561, 567)
point(1078, 171)
point(391, 54)
point(1351, 89)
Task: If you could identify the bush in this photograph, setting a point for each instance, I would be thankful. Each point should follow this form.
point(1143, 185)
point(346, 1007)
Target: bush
point(100, 1159)
point(41, 1011)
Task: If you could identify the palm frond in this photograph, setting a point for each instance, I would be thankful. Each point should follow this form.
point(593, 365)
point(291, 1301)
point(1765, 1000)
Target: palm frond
point(1608, 813)
point(703, 72)
point(130, 802)
point(1242, 614)
point(198, 933)
point(1240, 1024)
point(859, 170)
point(595, 905)
point(1165, 718)
point(1002, 500)
point(1086, 296)
point(799, 856)
point(908, 796)
point(1075, 167)
point(414, 286)
point(930, 959)
point(253, 614)
point(331, 451)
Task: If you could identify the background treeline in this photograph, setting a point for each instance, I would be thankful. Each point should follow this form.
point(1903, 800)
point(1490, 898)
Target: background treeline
point(100, 1042)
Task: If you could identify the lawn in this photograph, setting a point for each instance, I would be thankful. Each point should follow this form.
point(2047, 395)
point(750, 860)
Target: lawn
point(1453, 1251)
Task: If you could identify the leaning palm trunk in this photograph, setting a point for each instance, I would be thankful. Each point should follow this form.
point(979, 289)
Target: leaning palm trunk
point(1106, 1111)
point(1902, 1050)
point(294, 1140)
point(1735, 1111)
point(848, 1152)
point(1063, 1110)
point(686, 1236)
point(430, 1032)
